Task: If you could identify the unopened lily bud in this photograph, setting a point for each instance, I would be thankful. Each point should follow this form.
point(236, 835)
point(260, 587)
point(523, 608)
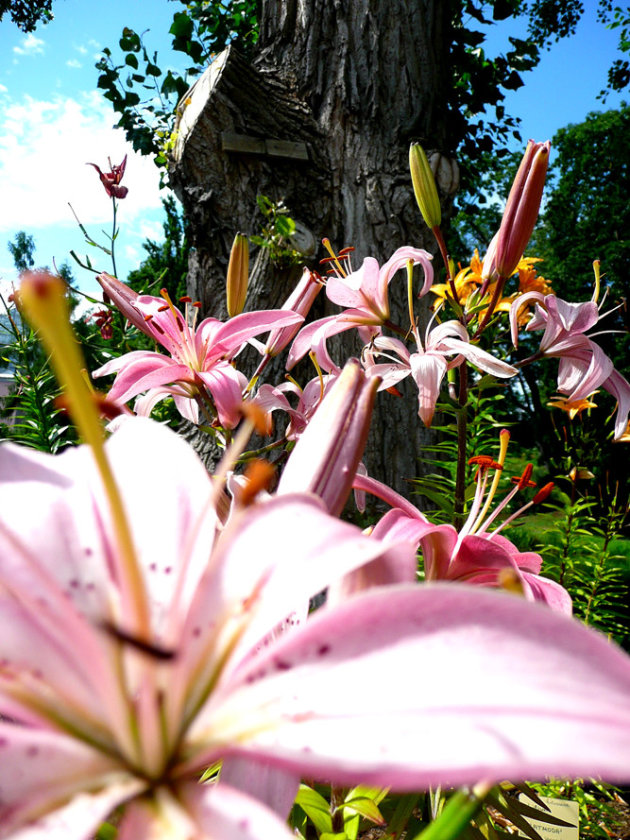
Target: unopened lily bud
point(123, 298)
point(237, 275)
point(522, 208)
point(424, 186)
point(327, 455)
point(300, 300)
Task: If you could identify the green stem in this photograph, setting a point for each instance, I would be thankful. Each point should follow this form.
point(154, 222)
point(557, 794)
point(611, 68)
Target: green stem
point(113, 236)
point(337, 798)
point(462, 423)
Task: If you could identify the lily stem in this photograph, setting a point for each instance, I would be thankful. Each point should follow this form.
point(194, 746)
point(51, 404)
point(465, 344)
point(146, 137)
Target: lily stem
point(462, 422)
point(113, 236)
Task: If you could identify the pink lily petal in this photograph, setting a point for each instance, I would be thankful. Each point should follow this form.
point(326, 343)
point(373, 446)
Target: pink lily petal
point(300, 300)
point(428, 371)
point(304, 340)
point(231, 336)
point(547, 592)
point(274, 787)
point(226, 385)
point(136, 357)
point(594, 371)
point(189, 409)
point(399, 260)
point(479, 358)
point(138, 371)
point(619, 387)
point(573, 317)
point(358, 290)
point(516, 714)
point(223, 813)
point(515, 308)
point(263, 539)
point(48, 768)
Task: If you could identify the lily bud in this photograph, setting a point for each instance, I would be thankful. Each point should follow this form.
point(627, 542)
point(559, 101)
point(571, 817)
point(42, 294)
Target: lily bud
point(300, 301)
point(237, 275)
point(424, 186)
point(522, 208)
point(327, 455)
point(123, 298)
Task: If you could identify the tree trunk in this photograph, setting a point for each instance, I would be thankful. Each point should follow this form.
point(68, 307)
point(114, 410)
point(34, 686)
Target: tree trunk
point(344, 85)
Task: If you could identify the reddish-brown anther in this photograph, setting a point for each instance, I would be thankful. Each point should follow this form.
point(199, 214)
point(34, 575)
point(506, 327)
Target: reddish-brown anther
point(524, 480)
point(543, 493)
point(485, 462)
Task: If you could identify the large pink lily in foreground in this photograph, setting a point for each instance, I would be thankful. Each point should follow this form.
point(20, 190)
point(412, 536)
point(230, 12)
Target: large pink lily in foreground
point(199, 360)
point(584, 367)
point(126, 669)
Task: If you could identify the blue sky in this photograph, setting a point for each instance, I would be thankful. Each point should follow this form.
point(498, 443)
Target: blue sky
point(53, 120)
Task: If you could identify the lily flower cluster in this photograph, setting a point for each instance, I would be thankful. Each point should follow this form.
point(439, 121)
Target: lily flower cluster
point(137, 654)
point(157, 658)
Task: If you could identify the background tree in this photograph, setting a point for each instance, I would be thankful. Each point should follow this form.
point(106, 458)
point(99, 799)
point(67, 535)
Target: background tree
point(324, 105)
point(22, 249)
point(25, 14)
point(166, 263)
point(587, 213)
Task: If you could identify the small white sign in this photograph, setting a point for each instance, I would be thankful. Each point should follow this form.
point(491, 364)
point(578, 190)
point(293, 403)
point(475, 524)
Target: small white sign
point(564, 809)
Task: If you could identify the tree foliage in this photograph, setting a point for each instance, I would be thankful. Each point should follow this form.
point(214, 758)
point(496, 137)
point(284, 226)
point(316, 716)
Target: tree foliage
point(22, 248)
point(587, 215)
point(166, 263)
point(25, 14)
point(145, 95)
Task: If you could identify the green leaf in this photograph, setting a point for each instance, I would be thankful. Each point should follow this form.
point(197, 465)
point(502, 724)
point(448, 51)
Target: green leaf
point(460, 809)
point(285, 226)
point(316, 808)
point(132, 61)
point(182, 26)
point(365, 807)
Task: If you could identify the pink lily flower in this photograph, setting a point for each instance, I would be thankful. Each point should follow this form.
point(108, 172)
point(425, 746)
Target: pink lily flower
point(111, 180)
point(365, 292)
point(474, 555)
point(200, 358)
point(584, 367)
point(123, 679)
point(274, 397)
point(429, 364)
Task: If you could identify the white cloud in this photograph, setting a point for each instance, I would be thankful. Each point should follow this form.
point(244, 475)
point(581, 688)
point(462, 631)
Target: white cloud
point(44, 146)
point(3, 89)
point(81, 49)
point(31, 45)
point(151, 230)
point(72, 62)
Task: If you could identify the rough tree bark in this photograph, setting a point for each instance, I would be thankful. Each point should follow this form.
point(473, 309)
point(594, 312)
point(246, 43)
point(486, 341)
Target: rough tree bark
point(322, 119)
